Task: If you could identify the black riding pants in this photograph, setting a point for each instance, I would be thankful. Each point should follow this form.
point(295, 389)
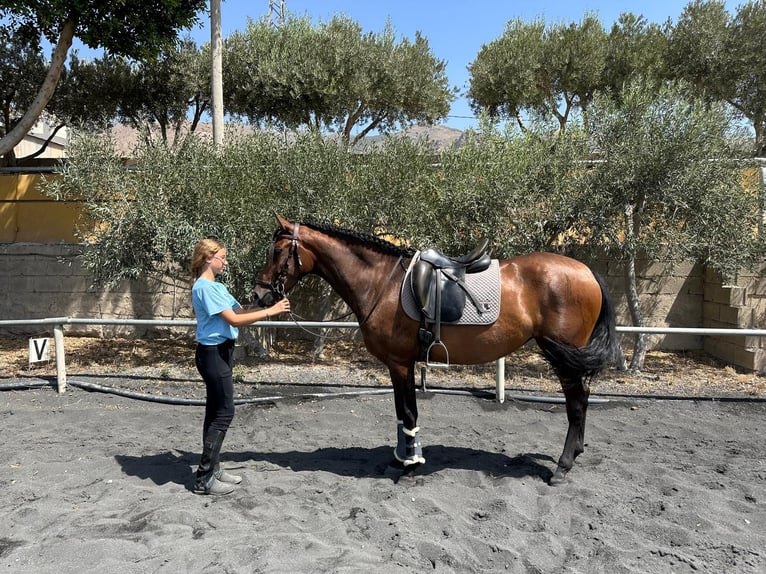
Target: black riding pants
point(214, 363)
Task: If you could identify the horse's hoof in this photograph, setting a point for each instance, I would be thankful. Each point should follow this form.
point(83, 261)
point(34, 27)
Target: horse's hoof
point(559, 477)
point(414, 458)
point(409, 460)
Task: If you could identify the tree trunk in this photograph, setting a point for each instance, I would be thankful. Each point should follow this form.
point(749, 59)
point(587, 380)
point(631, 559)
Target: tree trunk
point(46, 143)
point(632, 227)
point(21, 129)
point(327, 307)
point(631, 292)
point(255, 341)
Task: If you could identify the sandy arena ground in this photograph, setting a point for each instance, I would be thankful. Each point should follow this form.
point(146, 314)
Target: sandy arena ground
point(97, 482)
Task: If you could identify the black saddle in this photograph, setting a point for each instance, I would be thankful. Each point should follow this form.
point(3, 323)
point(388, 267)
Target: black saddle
point(474, 261)
point(438, 282)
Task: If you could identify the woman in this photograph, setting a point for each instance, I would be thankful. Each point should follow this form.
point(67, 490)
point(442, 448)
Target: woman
point(218, 317)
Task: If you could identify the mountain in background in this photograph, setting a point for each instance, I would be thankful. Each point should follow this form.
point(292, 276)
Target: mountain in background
point(126, 138)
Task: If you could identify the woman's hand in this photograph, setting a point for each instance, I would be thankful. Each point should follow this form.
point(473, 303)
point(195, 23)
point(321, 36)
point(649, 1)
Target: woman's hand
point(281, 306)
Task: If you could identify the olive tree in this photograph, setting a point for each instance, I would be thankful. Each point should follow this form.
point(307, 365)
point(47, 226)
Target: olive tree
point(333, 77)
point(131, 28)
point(722, 57)
point(548, 71)
point(175, 195)
point(164, 97)
point(635, 49)
point(508, 185)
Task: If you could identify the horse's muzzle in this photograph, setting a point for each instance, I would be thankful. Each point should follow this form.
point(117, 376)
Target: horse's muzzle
point(274, 292)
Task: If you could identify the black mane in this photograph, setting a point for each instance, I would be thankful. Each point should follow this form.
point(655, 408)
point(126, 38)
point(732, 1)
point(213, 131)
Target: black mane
point(363, 239)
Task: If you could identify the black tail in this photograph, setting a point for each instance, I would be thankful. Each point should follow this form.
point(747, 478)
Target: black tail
point(601, 351)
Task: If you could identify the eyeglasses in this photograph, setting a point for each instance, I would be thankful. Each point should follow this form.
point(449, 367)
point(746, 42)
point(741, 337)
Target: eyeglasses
point(221, 259)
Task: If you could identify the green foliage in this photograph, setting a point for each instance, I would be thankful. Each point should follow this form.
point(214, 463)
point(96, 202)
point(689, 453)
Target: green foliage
point(155, 96)
point(333, 77)
point(547, 71)
point(140, 212)
point(22, 69)
point(748, 82)
point(669, 185)
point(88, 93)
point(160, 94)
point(697, 47)
point(132, 28)
point(722, 57)
point(163, 98)
point(666, 184)
point(511, 187)
point(504, 75)
point(151, 215)
point(507, 187)
point(136, 29)
point(635, 50)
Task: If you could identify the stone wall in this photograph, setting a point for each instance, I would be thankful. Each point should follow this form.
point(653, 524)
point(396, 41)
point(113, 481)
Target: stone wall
point(41, 281)
point(741, 304)
point(670, 296)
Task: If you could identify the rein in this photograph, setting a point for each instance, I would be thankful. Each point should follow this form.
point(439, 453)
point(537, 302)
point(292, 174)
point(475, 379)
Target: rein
point(382, 289)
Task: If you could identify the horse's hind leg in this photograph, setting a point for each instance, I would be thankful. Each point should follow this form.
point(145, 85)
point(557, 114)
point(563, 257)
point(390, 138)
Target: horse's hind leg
point(408, 450)
point(576, 391)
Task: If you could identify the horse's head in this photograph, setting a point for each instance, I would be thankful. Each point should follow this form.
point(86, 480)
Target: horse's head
point(284, 264)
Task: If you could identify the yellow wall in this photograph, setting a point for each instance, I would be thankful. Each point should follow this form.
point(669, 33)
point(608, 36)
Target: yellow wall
point(27, 215)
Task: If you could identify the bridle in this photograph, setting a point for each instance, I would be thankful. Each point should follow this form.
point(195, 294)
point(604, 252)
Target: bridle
point(276, 288)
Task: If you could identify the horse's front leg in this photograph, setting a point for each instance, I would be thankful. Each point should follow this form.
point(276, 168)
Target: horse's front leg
point(408, 450)
point(576, 392)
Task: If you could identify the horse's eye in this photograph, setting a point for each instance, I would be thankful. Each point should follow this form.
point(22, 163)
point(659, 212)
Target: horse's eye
point(275, 254)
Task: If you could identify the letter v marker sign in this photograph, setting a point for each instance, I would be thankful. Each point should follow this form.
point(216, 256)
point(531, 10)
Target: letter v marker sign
point(39, 350)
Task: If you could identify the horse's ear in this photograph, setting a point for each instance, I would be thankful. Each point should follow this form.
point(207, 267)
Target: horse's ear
point(283, 223)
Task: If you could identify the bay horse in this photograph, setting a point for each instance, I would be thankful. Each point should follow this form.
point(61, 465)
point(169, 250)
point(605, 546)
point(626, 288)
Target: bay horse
point(555, 300)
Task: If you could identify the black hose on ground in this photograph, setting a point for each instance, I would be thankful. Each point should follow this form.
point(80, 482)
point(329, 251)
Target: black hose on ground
point(23, 385)
point(604, 398)
point(201, 402)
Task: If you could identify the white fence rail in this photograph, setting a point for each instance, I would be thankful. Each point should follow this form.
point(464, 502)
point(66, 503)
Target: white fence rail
point(57, 324)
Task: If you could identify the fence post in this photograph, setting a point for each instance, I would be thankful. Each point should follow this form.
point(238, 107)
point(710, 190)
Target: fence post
point(500, 380)
point(58, 341)
point(762, 204)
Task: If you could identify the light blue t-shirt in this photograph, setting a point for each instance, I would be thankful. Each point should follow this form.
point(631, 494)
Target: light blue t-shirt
point(209, 298)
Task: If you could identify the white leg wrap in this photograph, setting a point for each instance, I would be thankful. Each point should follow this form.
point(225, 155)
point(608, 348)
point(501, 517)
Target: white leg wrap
point(412, 432)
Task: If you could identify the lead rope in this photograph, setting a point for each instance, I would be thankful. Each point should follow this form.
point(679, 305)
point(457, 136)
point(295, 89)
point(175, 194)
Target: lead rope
point(295, 317)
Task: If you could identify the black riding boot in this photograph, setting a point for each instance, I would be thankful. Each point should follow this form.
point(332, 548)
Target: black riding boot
point(206, 481)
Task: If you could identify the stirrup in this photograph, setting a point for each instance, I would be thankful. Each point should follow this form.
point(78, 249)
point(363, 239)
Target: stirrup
point(437, 365)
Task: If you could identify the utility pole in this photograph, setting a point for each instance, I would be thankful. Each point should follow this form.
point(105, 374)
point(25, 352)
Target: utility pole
point(216, 79)
point(278, 11)
point(276, 19)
